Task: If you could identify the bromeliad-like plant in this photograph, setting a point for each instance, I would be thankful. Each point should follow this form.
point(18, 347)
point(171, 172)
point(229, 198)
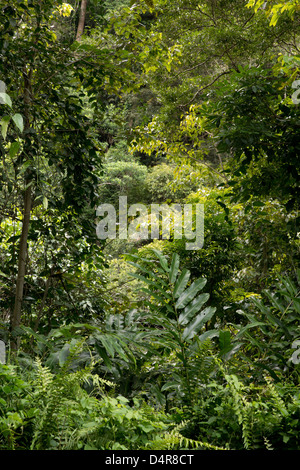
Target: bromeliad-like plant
point(176, 305)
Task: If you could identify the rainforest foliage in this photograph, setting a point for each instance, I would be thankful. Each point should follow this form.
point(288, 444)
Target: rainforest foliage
point(138, 343)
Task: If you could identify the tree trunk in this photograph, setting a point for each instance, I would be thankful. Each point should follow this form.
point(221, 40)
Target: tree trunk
point(15, 319)
point(81, 21)
point(16, 316)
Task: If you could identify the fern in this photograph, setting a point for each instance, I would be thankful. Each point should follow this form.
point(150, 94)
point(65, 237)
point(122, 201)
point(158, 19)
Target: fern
point(267, 444)
point(280, 405)
point(174, 440)
point(242, 408)
point(57, 397)
point(44, 377)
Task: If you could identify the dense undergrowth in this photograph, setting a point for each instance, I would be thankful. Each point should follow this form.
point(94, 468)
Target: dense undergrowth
point(159, 378)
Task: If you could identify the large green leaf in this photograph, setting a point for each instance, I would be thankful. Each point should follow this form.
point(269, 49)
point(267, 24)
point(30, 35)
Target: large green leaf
point(250, 325)
point(5, 99)
point(14, 148)
point(181, 282)
point(174, 268)
point(18, 120)
point(4, 125)
point(188, 295)
point(162, 260)
point(192, 308)
point(192, 329)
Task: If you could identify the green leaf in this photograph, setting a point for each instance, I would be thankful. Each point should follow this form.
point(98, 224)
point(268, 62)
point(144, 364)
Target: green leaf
point(63, 354)
point(192, 308)
point(5, 99)
point(250, 325)
point(170, 385)
point(181, 283)
point(189, 294)
point(103, 354)
point(14, 148)
point(207, 334)
point(193, 328)
point(18, 120)
point(45, 202)
point(4, 125)
point(162, 260)
point(174, 268)
point(107, 343)
point(224, 342)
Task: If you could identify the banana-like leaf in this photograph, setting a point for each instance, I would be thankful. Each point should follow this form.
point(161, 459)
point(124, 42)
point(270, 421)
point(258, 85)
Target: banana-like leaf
point(192, 329)
point(276, 303)
point(181, 283)
point(141, 268)
point(174, 268)
point(189, 294)
point(163, 261)
point(192, 308)
point(158, 284)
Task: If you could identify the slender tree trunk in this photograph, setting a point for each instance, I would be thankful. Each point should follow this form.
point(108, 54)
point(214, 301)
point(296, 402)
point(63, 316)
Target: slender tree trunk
point(22, 256)
point(16, 317)
point(81, 21)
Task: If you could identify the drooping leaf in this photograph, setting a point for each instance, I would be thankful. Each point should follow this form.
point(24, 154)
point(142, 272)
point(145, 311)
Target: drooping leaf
point(14, 148)
point(4, 126)
point(5, 99)
point(18, 120)
point(45, 202)
point(163, 261)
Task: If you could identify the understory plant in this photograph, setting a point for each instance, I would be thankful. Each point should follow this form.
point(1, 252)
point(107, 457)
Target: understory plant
point(269, 331)
point(242, 416)
point(70, 410)
point(179, 312)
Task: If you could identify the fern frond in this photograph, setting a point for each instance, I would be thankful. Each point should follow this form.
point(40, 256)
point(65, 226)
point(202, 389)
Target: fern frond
point(173, 439)
point(276, 397)
point(242, 408)
point(44, 376)
point(268, 444)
